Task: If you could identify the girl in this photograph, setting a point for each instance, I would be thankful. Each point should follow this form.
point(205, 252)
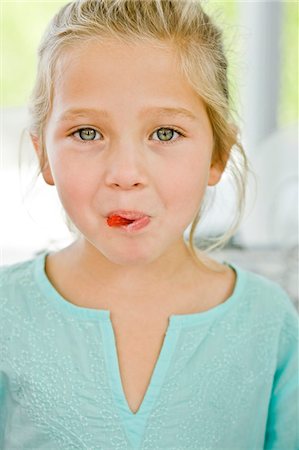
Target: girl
point(129, 338)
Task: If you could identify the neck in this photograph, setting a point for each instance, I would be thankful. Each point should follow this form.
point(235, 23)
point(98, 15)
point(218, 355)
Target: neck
point(86, 278)
point(97, 270)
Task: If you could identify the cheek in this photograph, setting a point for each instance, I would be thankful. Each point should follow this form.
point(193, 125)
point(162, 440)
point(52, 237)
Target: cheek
point(186, 185)
point(72, 185)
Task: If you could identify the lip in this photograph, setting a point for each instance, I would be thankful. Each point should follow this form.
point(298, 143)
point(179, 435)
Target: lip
point(128, 214)
point(137, 225)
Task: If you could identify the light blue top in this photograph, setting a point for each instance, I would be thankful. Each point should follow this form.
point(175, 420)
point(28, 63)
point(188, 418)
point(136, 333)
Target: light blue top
point(226, 378)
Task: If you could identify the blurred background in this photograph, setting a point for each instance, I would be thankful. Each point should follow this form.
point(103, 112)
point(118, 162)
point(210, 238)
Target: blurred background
point(261, 40)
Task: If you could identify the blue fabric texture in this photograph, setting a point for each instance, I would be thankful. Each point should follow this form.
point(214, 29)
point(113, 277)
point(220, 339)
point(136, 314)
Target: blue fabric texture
point(226, 378)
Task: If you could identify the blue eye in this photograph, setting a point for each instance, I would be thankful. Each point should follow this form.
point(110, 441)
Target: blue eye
point(164, 134)
point(167, 133)
point(86, 134)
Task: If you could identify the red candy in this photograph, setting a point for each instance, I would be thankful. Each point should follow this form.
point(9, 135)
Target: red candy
point(115, 221)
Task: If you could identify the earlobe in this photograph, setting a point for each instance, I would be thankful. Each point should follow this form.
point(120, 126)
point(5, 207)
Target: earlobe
point(35, 142)
point(215, 175)
point(217, 168)
point(43, 161)
point(47, 174)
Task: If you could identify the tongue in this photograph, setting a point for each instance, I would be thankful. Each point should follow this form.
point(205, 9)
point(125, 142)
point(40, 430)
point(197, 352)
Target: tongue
point(116, 221)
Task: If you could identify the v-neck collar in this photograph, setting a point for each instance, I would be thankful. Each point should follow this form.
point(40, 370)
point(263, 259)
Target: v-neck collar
point(176, 320)
point(134, 423)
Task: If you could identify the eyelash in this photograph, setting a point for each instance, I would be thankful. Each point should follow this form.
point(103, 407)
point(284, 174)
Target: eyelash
point(163, 142)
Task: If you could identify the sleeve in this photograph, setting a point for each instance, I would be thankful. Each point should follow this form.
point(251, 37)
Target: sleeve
point(283, 414)
point(2, 409)
point(3, 357)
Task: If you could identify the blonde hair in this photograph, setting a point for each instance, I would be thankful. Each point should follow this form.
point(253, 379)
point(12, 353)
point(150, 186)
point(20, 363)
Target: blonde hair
point(199, 46)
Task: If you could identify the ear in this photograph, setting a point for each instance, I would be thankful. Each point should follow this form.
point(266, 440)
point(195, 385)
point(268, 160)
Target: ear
point(216, 171)
point(46, 171)
point(217, 168)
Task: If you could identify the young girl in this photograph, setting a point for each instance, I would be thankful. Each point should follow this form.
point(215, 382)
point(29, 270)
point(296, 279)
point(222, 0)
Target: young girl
point(129, 338)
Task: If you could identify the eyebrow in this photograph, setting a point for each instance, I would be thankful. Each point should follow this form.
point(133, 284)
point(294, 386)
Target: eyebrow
point(159, 111)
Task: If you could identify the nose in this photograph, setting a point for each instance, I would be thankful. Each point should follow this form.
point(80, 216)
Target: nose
point(126, 168)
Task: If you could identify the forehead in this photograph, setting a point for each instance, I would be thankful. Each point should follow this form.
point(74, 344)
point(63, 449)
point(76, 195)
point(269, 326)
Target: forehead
point(115, 54)
point(120, 74)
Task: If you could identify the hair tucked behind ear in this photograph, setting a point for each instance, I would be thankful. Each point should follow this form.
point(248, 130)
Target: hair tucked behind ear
point(198, 43)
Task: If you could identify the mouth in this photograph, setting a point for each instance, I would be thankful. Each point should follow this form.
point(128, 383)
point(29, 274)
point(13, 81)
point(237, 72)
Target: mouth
point(129, 220)
point(129, 215)
point(116, 221)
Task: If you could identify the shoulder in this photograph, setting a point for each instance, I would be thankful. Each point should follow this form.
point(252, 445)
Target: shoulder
point(267, 303)
point(16, 283)
point(259, 296)
point(256, 296)
point(267, 291)
point(9, 274)
point(265, 315)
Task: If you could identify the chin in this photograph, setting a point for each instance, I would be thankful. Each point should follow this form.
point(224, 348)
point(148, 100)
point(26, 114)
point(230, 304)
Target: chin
point(132, 258)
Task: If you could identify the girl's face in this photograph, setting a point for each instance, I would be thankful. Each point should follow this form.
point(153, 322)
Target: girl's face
point(127, 131)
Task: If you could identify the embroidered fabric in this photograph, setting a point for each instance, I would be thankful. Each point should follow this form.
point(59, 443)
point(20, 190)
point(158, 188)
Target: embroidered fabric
point(225, 379)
